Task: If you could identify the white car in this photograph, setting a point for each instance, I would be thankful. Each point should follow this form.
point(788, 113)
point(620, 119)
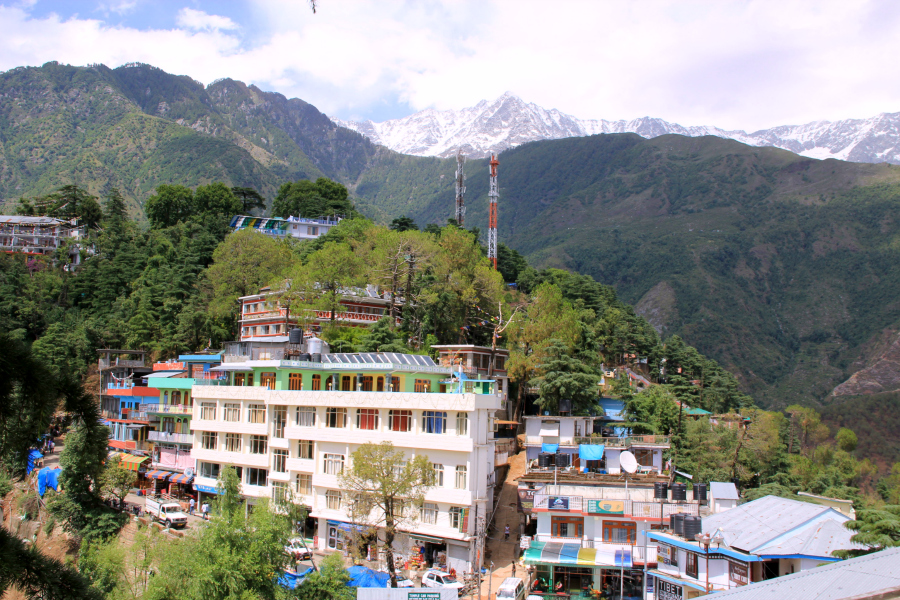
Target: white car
point(403, 582)
point(297, 550)
point(440, 579)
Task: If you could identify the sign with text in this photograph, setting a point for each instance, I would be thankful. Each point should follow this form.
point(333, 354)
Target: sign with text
point(558, 503)
point(738, 573)
point(667, 554)
point(406, 594)
point(606, 507)
point(526, 500)
point(666, 590)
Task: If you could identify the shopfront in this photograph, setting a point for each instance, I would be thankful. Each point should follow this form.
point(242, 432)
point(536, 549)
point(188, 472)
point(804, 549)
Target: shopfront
point(341, 535)
point(571, 569)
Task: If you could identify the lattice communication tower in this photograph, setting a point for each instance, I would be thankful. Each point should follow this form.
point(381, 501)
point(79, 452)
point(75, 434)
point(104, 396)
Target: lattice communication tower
point(460, 188)
point(492, 221)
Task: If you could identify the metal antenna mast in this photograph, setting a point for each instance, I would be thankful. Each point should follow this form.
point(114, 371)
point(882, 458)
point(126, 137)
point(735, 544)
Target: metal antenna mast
point(460, 188)
point(492, 221)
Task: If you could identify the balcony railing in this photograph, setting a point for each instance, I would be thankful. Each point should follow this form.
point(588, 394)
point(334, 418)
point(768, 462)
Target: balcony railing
point(648, 510)
point(204, 381)
point(168, 409)
point(171, 438)
point(624, 441)
point(106, 364)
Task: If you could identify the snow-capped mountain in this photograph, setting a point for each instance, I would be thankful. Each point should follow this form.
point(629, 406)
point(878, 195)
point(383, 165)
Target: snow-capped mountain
point(490, 127)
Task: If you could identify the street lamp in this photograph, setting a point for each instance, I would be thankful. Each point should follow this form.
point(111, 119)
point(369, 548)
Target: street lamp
point(704, 539)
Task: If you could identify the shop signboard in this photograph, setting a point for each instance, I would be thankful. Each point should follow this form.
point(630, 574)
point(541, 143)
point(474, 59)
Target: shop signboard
point(667, 554)
point(606, 507)
point(558, 503)
point(738, 573)
point(526, 500)
point(666, 590)
point(406, 594)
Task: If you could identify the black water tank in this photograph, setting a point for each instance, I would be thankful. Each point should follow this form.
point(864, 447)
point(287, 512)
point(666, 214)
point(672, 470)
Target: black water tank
point(676, 523)
point(305, 356)
point(679, 491)
point(691, 526)
point(660, 490)
point(295, 336)
point(562, 460)
point(565, 405)
point(544, 460)
point(700, 492)
point(316, 357)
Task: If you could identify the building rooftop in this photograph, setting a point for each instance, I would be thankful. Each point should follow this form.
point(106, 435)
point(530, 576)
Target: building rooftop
point(361, 358)
point(866, 577)
point(723, 491)
point(20, 220)
point(771, 523)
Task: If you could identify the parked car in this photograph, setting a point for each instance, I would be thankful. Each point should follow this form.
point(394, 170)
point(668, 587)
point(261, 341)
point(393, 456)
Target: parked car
point(403, 582)
point(297, 549)
point(440, 579)
point(166, 512)
point(512, 588)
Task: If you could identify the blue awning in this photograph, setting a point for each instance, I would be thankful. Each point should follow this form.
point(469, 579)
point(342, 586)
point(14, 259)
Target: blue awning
point(206, 489)
point(551, 448)
point(591, 451)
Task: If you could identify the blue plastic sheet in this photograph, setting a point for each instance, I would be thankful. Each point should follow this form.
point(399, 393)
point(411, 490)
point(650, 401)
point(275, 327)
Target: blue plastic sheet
point(292, 580)
point(48, 477)
point(551, 448)
point(33, 457)
point(367, 578)
point(590, 451)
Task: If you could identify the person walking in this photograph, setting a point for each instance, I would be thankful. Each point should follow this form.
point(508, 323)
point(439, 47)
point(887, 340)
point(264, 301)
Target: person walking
point(514, 569)
point(191, 505)
point(206, 510)
point(506, 534)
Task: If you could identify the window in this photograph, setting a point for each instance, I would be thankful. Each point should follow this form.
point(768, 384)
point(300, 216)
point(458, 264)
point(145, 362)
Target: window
point(238, 379)
point(434, 421)
point(210, 470)
point(279, 416)
point(395, 384)
point(295, 381)
point(456, 517)
point(333, 500)
point(400, 420)
point(366, 383)
point(250, 379)
point(438, 475)
point(280, 492)
point(335, 417)
point(232, 442)
point(367, 418)
point(306, 416)
point(256, 413)
point(232, 412)
point(334, 464)
point(346, 383)
point(279, 461)
point(619, 532)
point(567, 526)
point(208, 411)
point(303, 483)
point(305, 449)
point(267, 380)
point(208, 441)
point(644, 457)
point(429, 513)
point(259, 444)
point(176, 397)
point(499, 363)
point(317, 382)
point(257, 476)
point(461, 477)
point(690, 567)
point(423, 385)
point(462, 423)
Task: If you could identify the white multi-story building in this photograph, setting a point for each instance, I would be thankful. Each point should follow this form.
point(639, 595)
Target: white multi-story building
point(288, 424)
point(295, 227)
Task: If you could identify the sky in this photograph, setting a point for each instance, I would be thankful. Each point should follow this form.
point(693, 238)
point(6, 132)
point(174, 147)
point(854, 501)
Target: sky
point(736, 64)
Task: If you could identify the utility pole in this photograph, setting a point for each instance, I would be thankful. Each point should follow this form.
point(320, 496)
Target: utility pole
point(492, 220)
point(460, 188)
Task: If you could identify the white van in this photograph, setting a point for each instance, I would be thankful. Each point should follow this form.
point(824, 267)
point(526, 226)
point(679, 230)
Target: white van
point(512, 588)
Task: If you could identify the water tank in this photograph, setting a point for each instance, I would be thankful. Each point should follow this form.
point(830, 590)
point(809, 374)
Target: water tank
point(691, 526)
point(295, 336)
point(544, 460)
point(315, 357)
point(661, 490)
point(314, 346)
point(565, 405)
point(562, 460)
point(679, 491)
point(700, 492)
point(304, 356)
point(676, 523)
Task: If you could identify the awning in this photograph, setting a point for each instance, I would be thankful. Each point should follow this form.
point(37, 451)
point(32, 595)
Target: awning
point(181, 478)
point(590, 451)
point(550, 429)
point(135, 426)
point(426, 538)
point(551, 448)
point(159, 474)
point(231, 368)
point(499, 422)
point(162, 374)
point(206, 489)
point(553, 553)
point(131, 462)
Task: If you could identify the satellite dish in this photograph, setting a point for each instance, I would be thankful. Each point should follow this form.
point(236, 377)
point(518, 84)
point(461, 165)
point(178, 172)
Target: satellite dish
point(628, 462)
point(189, 472)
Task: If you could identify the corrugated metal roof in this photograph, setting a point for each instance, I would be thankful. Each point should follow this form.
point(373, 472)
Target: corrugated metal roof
point(755, 524)
point(723, 491)
point(821, 540)
point(865, 575)
point(379, 357)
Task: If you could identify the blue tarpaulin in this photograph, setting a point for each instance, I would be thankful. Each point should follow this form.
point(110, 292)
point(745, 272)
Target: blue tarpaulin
point(48, 477)
point(292, 580)
point(551, 448)
point(33, 457)
point(367, 578)
point(590, 451)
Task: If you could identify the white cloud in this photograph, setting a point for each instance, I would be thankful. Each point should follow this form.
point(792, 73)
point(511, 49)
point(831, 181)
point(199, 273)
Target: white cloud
point(190, 18)
point(748, 64)
point(120, 7)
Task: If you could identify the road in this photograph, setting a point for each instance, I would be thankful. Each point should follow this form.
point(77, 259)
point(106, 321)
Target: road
point(501, 552)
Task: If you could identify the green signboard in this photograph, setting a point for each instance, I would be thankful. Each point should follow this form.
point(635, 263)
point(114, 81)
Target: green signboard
point(606, 507)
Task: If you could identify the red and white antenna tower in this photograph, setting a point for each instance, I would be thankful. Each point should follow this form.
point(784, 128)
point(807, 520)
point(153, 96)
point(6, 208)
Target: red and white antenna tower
point(492, 220)
point(460, 188)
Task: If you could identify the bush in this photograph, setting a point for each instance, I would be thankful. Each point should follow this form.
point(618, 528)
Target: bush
point(49, 526)
point(6, 485)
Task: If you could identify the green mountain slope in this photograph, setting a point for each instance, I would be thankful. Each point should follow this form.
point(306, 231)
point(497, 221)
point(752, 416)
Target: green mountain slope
point(781, 267)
